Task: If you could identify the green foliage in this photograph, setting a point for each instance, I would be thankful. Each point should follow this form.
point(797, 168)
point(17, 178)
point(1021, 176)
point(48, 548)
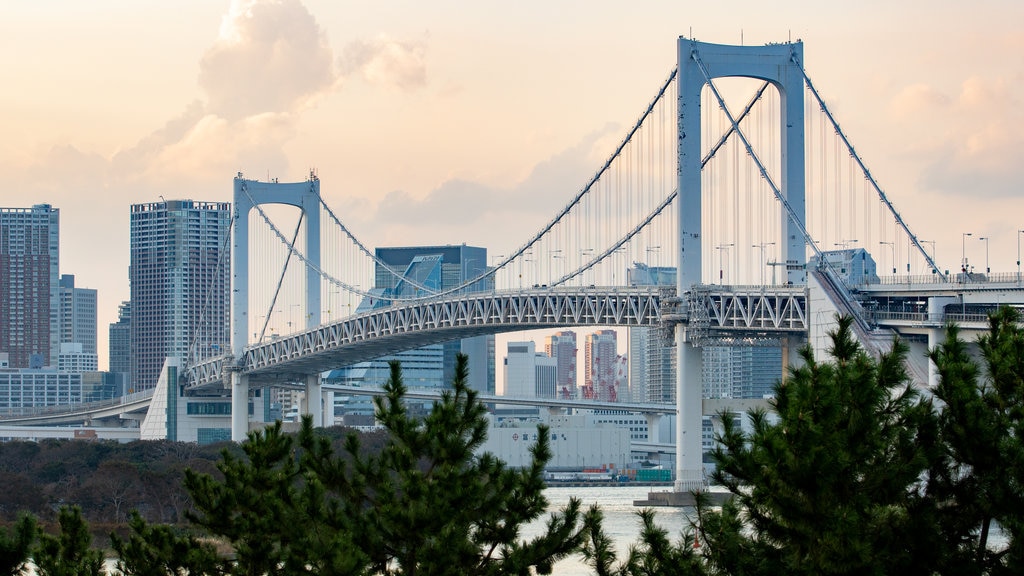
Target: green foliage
point(70, 552)
point(653, 555)
point(16, 545)
point(978, 476)
point(825, 490)
point(158, 550)
point(427, 503)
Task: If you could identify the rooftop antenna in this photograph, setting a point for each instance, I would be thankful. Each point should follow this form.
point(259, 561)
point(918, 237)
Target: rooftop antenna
point(741, 36)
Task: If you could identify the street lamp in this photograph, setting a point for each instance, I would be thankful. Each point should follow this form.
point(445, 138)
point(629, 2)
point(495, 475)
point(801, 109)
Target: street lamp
point(963, 251)
point(932, 242)
point(649, 250)
point(556, 253)
point(585, 252)
point(762, 246)
point(845, 244)
point(1019, 232)
point(893, 246)
point(721, 251)
point(986, 239)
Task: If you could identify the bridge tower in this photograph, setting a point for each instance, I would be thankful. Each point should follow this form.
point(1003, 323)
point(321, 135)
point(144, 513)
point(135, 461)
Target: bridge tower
point(247, 195)
point(699, 63)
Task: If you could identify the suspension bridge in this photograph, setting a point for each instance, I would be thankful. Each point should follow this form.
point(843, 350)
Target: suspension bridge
point(735, 177)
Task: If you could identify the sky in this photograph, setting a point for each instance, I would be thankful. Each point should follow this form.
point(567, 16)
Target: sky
point(426, 121)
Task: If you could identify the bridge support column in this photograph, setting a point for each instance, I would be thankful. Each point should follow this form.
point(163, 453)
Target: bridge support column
point(239, 406)
point(313, 403)
point(329, 408)
point(261, 405)
point(689, 414)
point(653, 424)
point(935, 338)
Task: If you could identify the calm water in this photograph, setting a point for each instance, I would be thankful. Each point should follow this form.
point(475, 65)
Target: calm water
point(620, 520)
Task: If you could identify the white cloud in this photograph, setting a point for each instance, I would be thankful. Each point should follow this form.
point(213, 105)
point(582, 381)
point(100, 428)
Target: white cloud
point(271, 56)
point(980, 150)
point(385, 61)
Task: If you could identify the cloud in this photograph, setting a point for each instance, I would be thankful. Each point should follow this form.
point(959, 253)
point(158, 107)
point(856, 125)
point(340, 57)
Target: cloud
point(271, 56)
point(490, 215)
point(385, 61)
point(916, 99)
point(980, 149)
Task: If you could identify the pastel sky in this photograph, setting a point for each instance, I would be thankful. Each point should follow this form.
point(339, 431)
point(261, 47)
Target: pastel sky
point(413, 111)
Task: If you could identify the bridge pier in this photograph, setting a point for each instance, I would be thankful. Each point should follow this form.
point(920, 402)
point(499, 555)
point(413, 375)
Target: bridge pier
point(313, 403)
point(653, 432)
point(239, 406)
point(689, 410)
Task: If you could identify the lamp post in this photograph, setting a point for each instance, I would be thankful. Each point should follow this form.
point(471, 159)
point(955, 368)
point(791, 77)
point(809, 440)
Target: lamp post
point(721, 251)
point(556, 253)
point(891, 245)
point(649, 250)
point(585, 252)
point(762, 246)
point(932, 242)
point(986, 239)
point(1019, 232)
point(963, 253)
point(845, 244)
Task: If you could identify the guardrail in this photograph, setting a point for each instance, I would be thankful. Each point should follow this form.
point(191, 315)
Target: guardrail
point(30, 411)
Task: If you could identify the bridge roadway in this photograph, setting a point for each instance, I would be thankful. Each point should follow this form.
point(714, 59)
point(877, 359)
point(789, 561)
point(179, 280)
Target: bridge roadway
point(737, 310)
point(753, 310)
point(710, 405)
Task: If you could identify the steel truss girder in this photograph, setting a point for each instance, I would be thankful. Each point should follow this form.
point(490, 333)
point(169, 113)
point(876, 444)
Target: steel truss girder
point(756, 309)
point(410, 325)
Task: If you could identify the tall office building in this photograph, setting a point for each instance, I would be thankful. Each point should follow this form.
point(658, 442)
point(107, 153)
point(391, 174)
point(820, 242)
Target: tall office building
point(562, 347)
point(528, 373)
point(741, 371)
point(77, 315)
point(428, 268)
point(29, 297)
point(120, 343)
point(652, 351)
point(180, 274)
point(602, 361)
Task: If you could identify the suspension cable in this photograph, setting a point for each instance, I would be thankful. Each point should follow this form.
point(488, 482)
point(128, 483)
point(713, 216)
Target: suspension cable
point(668, 200)
point(867, 173)
point(280, 280)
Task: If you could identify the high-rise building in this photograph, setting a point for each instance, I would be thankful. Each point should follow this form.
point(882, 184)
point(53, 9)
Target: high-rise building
point(528, 373)
point(562, 347)
point(602, 359)
point(29, 297)
point(180, 284)
point(425, 269)
point(73, 358)
point(652, 357)
point(741, 370)
point(77, 315)
point(120, 339)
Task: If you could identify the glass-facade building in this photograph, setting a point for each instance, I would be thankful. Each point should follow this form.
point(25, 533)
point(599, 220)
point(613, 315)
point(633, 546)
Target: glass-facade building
point(417, 271)
point(180, 274)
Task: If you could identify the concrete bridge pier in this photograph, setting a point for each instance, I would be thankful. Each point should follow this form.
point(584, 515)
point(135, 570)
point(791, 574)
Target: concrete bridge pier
point(653, 425)
point(313, 403)
point(689, 410)
point(239, 406)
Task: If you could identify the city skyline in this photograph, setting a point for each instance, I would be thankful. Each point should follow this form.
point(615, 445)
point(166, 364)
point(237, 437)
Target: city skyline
point(110, 104)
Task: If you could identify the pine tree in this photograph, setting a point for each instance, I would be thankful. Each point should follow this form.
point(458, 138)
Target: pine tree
point(428, 503)
point(826, 489)
point(977, 479)
point(70, 552)
point(16, 545)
